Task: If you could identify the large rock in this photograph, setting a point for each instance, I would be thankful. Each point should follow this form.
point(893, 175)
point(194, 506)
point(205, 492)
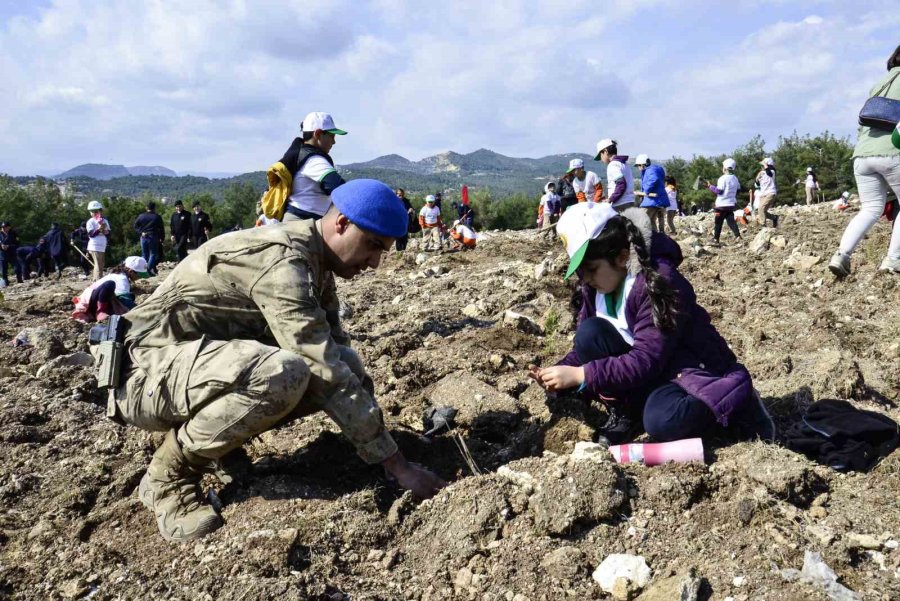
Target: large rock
point(622, 575)
point(523, 323)
point(472, 397)
point(761, 242)
point(47, 344)
point(566, 493)
point(79, 359)
point(565, 563)
point(802, 262)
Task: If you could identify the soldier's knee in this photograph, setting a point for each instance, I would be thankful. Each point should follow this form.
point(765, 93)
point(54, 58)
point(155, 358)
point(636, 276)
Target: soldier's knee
point(284, 376)
point(351, 358)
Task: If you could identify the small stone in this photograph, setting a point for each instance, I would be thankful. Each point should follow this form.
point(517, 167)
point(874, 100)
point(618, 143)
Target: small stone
point(739, 581)
point(375, 555)
point(74, 589)
point(818, 513)
point(390, 559)
point(471, 310)
point(862, 541)
point(421, 258)
point(463, 578)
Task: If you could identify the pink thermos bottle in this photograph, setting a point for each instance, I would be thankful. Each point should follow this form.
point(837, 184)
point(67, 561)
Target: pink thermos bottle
point(655, 453)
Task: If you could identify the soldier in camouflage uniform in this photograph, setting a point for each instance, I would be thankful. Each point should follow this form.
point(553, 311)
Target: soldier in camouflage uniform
point(245, 333)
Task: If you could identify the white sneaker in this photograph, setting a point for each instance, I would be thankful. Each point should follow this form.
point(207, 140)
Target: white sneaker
point(891, 265)
point(840, 265)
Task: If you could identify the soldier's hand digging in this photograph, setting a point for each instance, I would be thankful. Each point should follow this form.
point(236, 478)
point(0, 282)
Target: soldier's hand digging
point(410, 476)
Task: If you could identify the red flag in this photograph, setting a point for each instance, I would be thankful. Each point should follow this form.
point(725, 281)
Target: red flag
point(465, 195)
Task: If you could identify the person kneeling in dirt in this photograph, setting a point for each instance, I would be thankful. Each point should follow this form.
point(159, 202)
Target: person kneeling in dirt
point(111, 294)
point(462, 237)
point(644, 345)
point(244, 334)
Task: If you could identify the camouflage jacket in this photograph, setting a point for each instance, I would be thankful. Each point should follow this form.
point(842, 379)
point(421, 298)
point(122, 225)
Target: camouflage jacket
point(265, 284)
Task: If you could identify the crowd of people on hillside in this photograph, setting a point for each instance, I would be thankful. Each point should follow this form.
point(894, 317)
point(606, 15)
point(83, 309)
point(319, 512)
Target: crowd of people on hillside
point(90, 240)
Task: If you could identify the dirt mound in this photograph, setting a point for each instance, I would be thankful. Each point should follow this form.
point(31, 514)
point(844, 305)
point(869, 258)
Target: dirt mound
point(305, 519)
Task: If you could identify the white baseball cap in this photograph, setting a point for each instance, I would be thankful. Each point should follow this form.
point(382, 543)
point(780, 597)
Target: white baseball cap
point(642, 159)
point(137, 265)
point(729, 164)
point(575, 164)
point(845, 194)
point(808, 169)
point(579, 225)
point(768, 162)
point(430, 198)
point(603, 145)
point(323, 121)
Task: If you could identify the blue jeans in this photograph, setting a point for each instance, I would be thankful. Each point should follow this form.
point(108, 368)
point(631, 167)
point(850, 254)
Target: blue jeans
point(669, 413)
point(150, 252)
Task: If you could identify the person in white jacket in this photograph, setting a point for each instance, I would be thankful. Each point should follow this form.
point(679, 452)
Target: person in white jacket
point(812, 185)
point(726, 190)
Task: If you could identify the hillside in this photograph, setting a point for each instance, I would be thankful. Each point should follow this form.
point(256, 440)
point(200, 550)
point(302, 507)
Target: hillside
point(108, 172)
point(306, 519)
point(449, 170)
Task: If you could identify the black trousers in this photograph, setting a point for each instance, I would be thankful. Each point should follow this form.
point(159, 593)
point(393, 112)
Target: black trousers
point(726, 215)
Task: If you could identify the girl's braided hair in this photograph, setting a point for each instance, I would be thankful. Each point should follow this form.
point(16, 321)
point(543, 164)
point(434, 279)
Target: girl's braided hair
point(621, 234)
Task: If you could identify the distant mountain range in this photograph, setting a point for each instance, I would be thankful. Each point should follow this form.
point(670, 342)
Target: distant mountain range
point(105, 172)
point(444, 171)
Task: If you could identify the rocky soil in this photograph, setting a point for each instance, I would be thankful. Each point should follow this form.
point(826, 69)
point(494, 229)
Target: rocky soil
point(529, 516)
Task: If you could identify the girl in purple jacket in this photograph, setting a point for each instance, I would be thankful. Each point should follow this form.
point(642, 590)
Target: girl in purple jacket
point(643, 345)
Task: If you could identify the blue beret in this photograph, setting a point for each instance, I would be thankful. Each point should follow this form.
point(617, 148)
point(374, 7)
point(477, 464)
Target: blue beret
point(372, 206)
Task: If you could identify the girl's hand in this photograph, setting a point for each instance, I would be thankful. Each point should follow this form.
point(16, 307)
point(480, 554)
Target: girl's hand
point(534, 372)
point(561, 377)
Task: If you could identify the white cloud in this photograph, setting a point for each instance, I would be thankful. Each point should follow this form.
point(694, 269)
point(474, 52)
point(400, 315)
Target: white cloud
point(221, 86)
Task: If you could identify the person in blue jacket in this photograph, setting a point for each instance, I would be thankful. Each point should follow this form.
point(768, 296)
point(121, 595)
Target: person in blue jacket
point(655, 200)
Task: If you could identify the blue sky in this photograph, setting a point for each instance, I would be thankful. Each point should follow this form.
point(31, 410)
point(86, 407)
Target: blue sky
point(223, 86)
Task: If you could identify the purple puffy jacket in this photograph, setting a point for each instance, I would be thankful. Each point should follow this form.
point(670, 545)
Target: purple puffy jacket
point(694, 356)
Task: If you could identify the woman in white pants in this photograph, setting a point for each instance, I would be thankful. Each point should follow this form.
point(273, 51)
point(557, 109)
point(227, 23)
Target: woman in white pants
point(876, 165)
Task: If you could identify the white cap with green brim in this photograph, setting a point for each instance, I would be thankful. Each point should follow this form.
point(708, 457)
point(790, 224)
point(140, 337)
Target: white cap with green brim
point(323, 121)
point(579, 225)
point(575, 164)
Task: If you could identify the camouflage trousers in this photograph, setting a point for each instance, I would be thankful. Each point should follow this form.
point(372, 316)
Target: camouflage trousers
point(217, 394)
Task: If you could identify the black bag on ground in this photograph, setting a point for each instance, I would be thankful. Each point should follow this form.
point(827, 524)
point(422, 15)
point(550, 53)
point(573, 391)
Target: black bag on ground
point(837, 434)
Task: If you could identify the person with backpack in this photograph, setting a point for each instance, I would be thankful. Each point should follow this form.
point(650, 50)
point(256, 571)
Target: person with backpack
point(412, 221)
point(56, 248)
point(180, 231)
point(644, 346)
point(765, 195)
point(876, 167)
point(313, 174)
point(9, 243)
point(149, 226)
point(234, 343)
point(97, 230)
point(726, 190)
point(653, 191)
point(811, 185)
